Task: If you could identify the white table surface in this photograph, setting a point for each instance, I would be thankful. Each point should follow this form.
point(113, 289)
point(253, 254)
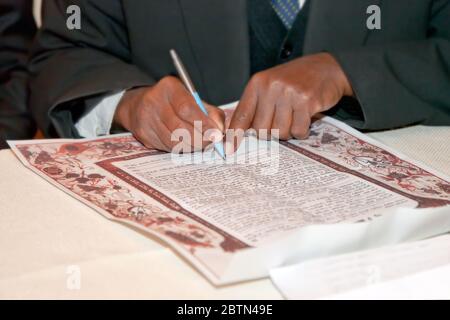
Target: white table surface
point(44, 231)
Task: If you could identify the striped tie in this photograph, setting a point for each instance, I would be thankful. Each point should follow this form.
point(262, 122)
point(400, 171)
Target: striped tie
point(287, 10)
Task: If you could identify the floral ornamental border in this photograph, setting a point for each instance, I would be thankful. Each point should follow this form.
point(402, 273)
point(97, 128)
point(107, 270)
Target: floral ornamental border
point(72, 165)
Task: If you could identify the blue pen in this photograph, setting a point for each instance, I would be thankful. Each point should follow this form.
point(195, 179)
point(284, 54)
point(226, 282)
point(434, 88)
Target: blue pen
point(182, 72)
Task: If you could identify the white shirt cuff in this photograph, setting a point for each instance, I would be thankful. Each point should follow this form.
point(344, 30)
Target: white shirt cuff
point(97, 120)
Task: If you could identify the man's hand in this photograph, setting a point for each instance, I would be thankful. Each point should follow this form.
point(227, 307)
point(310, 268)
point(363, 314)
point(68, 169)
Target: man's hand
point(287, 96)
point(153, 113)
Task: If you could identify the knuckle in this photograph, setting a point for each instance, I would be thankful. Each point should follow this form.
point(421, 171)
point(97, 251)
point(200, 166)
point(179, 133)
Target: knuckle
point(290, 91)
point(278, 85)
point(242, 116)
point(184, 109)
point(167, 81)
point(257, 79)
point(306, 96)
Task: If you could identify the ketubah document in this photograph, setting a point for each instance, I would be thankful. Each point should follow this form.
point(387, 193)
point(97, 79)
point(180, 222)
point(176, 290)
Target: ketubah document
point(269, 205)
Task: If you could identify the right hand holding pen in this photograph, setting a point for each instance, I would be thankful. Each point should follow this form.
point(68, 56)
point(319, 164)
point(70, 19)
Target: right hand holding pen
point(153, 113)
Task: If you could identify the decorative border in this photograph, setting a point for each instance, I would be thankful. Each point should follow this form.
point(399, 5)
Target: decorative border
point(230, 243)
point(422, 201)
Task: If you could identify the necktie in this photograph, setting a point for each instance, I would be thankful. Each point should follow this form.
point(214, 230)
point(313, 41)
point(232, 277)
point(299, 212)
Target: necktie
point(287, 10)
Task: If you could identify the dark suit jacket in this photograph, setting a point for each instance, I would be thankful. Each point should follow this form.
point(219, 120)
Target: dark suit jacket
point(400, 73)
point(16, 31)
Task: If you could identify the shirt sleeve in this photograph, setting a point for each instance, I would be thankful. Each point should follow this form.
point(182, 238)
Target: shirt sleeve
point(97, 119)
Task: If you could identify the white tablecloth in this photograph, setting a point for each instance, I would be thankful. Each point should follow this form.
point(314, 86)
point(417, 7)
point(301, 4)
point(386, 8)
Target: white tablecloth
point(45, 232)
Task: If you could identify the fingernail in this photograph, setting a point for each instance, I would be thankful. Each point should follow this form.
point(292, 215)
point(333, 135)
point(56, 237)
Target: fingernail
point(214, 136)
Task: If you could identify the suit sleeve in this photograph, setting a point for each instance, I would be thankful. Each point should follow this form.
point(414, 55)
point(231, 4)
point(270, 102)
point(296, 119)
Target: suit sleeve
point(16, 31)
point(71, 67)
point(401, 84)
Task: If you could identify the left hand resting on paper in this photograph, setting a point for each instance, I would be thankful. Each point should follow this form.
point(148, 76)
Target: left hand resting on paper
point(285, 97)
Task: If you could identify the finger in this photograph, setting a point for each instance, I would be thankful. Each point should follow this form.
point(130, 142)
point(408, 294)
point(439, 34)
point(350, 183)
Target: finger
point(142, 125)
point(190, 139)
point(165, 135)
point(177, 128)
point(241, 120)
point(187, 109)
point(300, 124)
point(233, 138)
point(282, 119)
point(265, 109)
point(245, 111)
point(150, 139)
point(218, 116)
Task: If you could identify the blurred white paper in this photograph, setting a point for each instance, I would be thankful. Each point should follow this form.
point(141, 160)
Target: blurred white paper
point(414, 270)
point(431, 284)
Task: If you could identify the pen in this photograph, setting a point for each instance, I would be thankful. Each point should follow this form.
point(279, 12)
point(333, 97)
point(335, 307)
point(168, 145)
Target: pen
point(182, 72)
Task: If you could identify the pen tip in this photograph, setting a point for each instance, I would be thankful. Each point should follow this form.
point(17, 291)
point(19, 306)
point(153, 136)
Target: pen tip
point(219, 148)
